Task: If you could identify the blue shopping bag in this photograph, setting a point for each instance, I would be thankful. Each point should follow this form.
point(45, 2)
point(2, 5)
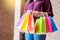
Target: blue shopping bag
point(54, 27)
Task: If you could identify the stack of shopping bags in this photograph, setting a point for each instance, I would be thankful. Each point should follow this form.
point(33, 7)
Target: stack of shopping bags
point(43, 25)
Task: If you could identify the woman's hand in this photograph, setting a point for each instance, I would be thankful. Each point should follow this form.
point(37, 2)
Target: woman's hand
point(38, 14)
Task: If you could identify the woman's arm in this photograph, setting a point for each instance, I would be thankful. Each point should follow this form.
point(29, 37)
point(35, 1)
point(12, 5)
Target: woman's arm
point(26, 4)
point(38, 14)
point(48, 6)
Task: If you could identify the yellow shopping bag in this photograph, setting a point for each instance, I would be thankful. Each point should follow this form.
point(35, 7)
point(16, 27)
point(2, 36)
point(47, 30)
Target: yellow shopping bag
point(25, 23)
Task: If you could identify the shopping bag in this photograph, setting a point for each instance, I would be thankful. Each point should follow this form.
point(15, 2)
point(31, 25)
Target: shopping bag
point(43, 25)
point(20, 22)
point(54, 27)
point(31, 28)
point(40, 25)
point(48, 24)
point(25, 23)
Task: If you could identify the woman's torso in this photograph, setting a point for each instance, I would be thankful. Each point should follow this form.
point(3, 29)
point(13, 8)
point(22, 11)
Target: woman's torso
point(36, 6)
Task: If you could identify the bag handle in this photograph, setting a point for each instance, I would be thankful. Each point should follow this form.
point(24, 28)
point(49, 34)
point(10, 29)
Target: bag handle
point(43, 14)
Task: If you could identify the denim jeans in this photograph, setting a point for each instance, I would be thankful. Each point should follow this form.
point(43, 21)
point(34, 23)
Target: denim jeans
point(35, 37)
point(29, 36)
point(40, 37)
point(26, 36)
point(22, 36)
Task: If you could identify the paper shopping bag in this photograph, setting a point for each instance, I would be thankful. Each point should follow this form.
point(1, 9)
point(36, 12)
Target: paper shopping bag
point(25, 23)
point(43, 25)
point(54, 27)
point(40, 25)
point(31, 28)
point(48, 24)
point(20, 22)
point(37, 26)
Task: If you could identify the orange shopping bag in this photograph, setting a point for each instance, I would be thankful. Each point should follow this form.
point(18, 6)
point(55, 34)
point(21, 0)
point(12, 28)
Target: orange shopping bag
point(31, 28)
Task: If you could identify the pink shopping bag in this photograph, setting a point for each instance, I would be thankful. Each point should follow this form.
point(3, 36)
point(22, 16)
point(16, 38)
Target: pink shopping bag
point(48, 24)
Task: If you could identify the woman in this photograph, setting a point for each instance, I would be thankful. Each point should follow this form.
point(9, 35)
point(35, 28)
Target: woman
point(38, 6)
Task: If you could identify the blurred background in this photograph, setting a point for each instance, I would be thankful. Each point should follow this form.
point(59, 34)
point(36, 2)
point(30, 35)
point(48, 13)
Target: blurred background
point(7, 8)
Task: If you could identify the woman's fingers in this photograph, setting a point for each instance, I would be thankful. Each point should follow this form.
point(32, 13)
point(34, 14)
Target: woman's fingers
point(45, 14)
point(36, 13)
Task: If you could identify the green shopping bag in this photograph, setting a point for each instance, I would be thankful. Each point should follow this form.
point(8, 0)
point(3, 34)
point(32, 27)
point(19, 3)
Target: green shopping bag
point(40, 25)
point(43, 25)
point(37, 26)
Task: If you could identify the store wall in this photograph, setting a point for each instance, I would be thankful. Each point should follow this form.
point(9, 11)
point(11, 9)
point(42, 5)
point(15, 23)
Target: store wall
point(22, 6)
point(7, 19)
